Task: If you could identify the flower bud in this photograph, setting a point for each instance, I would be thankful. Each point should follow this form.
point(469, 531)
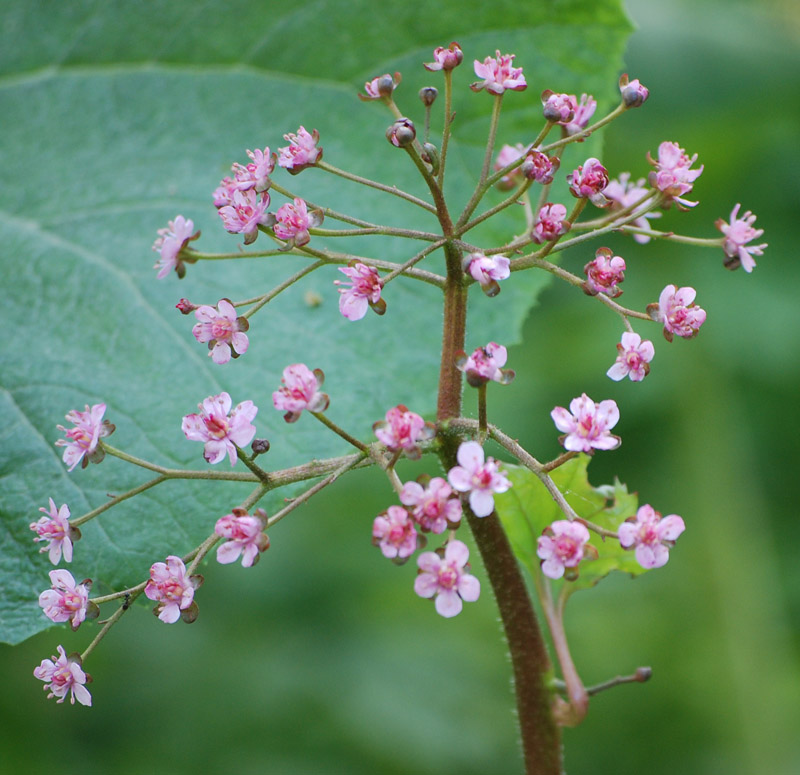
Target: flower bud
point(185, 306)
point(430, 154)
point(633, 93)
point(428, 95)
point(402, 133)
point(446, 58)
point(259, 446)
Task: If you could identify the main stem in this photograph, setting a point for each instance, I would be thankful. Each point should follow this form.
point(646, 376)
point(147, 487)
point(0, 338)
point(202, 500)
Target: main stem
point(541, 737)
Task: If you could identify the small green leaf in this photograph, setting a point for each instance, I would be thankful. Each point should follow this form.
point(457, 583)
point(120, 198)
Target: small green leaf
point(527, 509)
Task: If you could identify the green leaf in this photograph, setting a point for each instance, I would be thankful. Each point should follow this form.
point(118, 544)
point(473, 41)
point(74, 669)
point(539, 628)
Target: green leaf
point(527, 509)
point(119, 115)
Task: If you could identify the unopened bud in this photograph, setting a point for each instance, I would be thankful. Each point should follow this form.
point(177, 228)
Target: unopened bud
point(428, 95)
point(259, 446)
point(185, 306)
point(430, 154)
point(633, 93)
point(402, 133)
point(385, 85)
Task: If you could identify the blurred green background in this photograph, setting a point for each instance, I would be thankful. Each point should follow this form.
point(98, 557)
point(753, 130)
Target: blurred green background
point(320, 660)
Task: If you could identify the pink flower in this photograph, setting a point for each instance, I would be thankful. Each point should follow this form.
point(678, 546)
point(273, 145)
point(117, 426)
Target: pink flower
point(622, 193)
point(223, 193)
point(588, 181)
point(507, 155)
point(292, 222)
point(738, 233)
point(56, 530)
point(447, 579)
point(487, 270)
point(445, 58)
point(587, 425)
point(583, 112)
point(247, 211)
point(81, 442)
point(395, 533)
point(633, 93)
point(245, 537)
point(223, 331)
point(540, 167)
point(66, 601)
point(300, 390)
point(634, 358)
point(604, 273)
point(551, 223)
point(485, 364)
point(169, 244)
point(173, 590)
point(498, 75)
point(480, 479)
point(301, 152)
point(562, 546)
point(64, 676)
point(381, 87)
point(256, 173)
point(221, 433)
point(672, 174)
point(404, 430)
point(433, 507)
point(559, 108)
point(363, 290)
point(651, 535)
point(677, 311)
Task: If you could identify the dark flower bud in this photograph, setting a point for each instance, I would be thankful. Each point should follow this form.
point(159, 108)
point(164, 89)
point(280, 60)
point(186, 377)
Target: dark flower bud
point(402, 133)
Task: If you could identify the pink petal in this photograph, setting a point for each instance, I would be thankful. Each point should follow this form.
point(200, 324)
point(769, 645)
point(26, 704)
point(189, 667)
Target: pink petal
point(448, 603)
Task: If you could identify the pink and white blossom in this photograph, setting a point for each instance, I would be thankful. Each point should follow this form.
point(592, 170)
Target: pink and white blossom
point(583, 112)
point(633, 92)
point(633, 359)
point(651, 534)
point(487, 271)
point(394, 532)
point(447, 579)
point(169, 244)
point(498, 74)
point(539, 166)
point(480, 477)
point(172, 589)
point(245, 537)
point(246, 212)
point(485, 364)
point(673, 175)
point(445, 58)
point(63, 677)
point(299, 390)
point(56, 530)
point(81, 442)
point(293, 220)
point(587, 425)
point(563, 546)
point(301, 152)
point(222, 330)
point(622, 193)
point(559, 108)
point(677, 311)
point(254, 174)
point(434, 507)
point(403, 430)
point(604, 273)
point(588, 181)
point(223, 193)
point(381, 87)
point(551, 223)
point(66, 601)
point(220, 432)
point(360, 291)
point(508, 155)
point(738, 233)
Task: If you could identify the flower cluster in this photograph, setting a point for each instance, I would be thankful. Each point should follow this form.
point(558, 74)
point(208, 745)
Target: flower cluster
point(604, 274)
point(303, 151)
point(173, 590)
point(498, 74)
point(677, 311)
point(673, 175)
point(403, 430)
point(244, 536)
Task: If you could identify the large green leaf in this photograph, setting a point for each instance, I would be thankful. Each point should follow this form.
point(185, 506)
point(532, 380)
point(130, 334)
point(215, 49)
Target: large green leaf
point(119, 115)
point(527, 509)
